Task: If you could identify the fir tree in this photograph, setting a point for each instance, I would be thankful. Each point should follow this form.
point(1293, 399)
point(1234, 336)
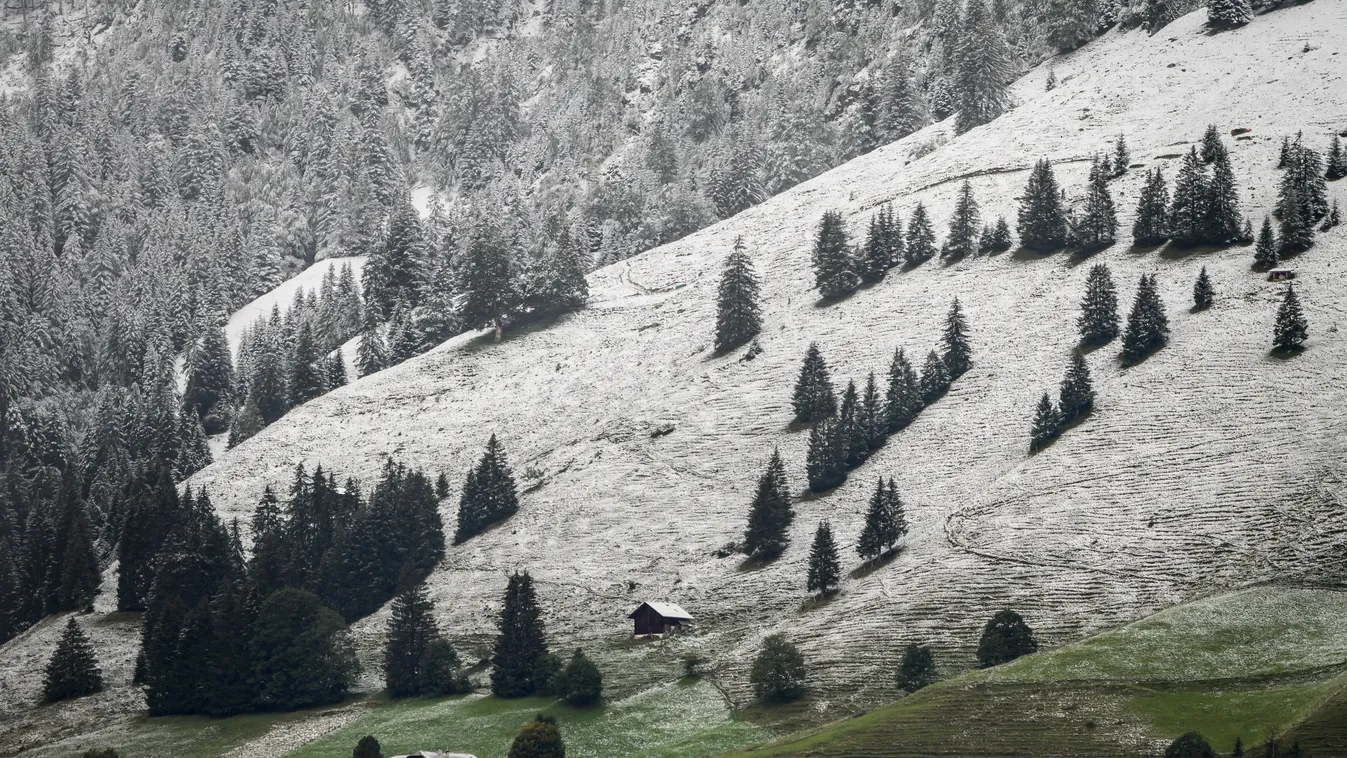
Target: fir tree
point(1265, 250)
point(1336, 165)
point(904, 397)
point(334, 370)
point(441, 672)
point(825, 571)
point(778, 672)
point(1071, 24)
point(963, 225)
point(872, 420)
point(1291, 329)
point(539, 738)
point(958, 355)
point(1303, 180)
point(79, 576)
point(917, 669)
point(1228, 14)
point(521, 643)
point(1188, 211)
point(411, 629)
point(1005, 638)
point(1203, 293)
point(73, 670)
point(301, 652)
point(1076, 398)
point(1212, 148)
point(1296, 233)
point(372, 353)
point(999, 240)
point(982, 67)
point(582, 682)
point(1151, 226)
point(901, 109)
point(1147, 325)
point(1042, 220)
point(813, 398)
point(267, 385)
point(490, 289)
point(306, 379)
point(934, 378)
point(367, 747)
point(1284, 154)
point(210, 378)
point(834, 269)
point(854, 439)
point(826, 457)
point(884, 522)
point(1098, 224)
point(1047, 424)
point(738, 317)
point(489, 494)
point(1121, 157)
point(770, 515)
point(1098, 322)
point(883, 245)
point(1223, 218)
point(920, 244)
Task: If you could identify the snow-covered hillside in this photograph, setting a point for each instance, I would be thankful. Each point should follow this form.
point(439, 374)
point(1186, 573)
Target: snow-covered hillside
point(1211, 464)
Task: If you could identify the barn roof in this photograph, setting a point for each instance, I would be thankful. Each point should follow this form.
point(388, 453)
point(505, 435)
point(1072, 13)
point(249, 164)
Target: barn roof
point(667, 610)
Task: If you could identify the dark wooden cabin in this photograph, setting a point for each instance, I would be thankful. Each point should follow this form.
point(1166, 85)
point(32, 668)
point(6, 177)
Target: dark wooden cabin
point(658, 618)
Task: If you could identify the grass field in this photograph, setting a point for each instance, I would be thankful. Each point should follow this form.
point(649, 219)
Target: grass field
point(685, 718)
point(176, 736)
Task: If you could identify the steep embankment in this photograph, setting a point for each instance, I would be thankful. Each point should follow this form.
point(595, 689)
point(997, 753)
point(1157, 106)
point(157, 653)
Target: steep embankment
point(1211, 464)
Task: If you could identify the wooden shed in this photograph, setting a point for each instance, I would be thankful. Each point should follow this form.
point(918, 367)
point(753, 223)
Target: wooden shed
point(658, 618)
point(1280, 274)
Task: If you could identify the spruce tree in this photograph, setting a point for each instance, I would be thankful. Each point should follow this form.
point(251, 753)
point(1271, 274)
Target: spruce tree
point(825, 571)
point(1098, 322)
point(1203, 293)
point(411, 629)
point(1336, 165)
point(79, 576)
point(1042, 219)
point(903, 401)
point(73, 670)
point(302, 656)
point(813, 398)
point(1121, 157)
point(1047, 424)
point(1265, 250)
point(958, 354)
point(917, 669)
point(1212, 148)
point(210, 379)
point(826, 456)
point(1223, 223)
point(1000, 240)
point(1151, 226)
point(1005, 638)
point(778, 671)
point(1304, 178)
point(770, 515)
point(738, 316)
point(441, 672)
point(901, 109)
point(490, 287)
point(1077, 393)
point(1228, 14)
point(854, 440)
point(983, 66)
point(884, 522)
point(521, 642)
point(934, 378)
point(1284, 154)
point(963, 225)
point(1297, 232)
point(489, 494)
point(582, 682)
point(920, 244)
point(1291, 329)
point(834, 269)
point(334, 370)
point(1147, 325)
point(882, 246)
point(1188, 211)
point(1098, 224)
point(372, 353)
point(872, 420)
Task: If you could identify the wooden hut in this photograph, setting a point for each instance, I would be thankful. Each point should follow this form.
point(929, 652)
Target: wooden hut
point(658, 618)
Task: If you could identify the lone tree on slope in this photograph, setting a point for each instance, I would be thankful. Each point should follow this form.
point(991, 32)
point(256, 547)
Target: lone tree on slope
point(958, 355)
point(367, 747)
point(917, 669)
point(1042, 220)
point(411, 629)
point(1047, 424)
point(884, 522)
point(1228, 14)
point(834, 268)
point(738, 317)
point(1098, 322)
point(770, 517)
point(825, 570)
point(920, 245)
point(1292, 329)
point(1203, 293)
point(963, 225)
point(489, 494)
point(813, 399)
point(1076, 397)
point(1191, 745)
point(1147, 325)
point(521, 643)
point(1005, 638)
point(1265, 249)
point(73, 670)
point(778, 673)
point(1098, 224)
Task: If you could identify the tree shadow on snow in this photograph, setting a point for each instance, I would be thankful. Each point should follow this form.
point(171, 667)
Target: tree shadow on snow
point(1023, 254)
point(1283, 354)
point(1087, 349)
point(871, 566)
point(824, 302)
point(814, 602)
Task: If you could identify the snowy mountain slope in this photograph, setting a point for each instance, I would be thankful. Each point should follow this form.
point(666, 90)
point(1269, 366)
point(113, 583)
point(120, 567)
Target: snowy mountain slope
point(1211, 464)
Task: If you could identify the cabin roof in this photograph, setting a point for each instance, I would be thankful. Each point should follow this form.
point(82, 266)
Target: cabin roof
point(667, 610)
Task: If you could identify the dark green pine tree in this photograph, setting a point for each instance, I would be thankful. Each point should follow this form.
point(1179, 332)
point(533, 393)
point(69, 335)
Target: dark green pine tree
point(999, 240)
point(1265, 249)
point(1147, 325)
point(1047, 424)
point(80, 576)
point(1296, 233)
point(367, 747)
point(917, 669)
point(826, 457)
point(958, 354)
point(825, 570)
point(983, 66)
point(834, 269)
point(1228, 14)
point(903, 401)
point(1224, 221)
point(581, 681)
point(210, 380)
point(521, 642)
point(1291, 329)
point(441, 672)
point(855, 447)
point(411, 629)
point(1042, 219)
point(920, 244)
point(490, 289)
point(872, 419)
point(1238, 752)
point(963, 225)
point(778, 671)
point(1336, 165)
point(770, 516)
point(1203, 293)
point(1151, 226)
point(489, 494)
point(1097, 227)
point(1098, 322)
point(334, 370)
point(1005, 638)
point(539, 738)
point(885, 523)
point(1121, 157)
point(880, 252)
point(73, 670)
point(1188, 210)
point(1076, 398)
point(1212, 148)
point(934, 378)
point(738, 316)
point(813, 398)
point(1194, 745)
point(301, 653)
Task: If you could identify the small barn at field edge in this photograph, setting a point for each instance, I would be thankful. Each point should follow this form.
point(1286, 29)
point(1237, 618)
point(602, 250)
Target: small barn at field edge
point(655, 617)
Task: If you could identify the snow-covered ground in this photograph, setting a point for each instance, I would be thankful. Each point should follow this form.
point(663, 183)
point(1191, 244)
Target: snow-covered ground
point(308, 280)
point(1210, 465)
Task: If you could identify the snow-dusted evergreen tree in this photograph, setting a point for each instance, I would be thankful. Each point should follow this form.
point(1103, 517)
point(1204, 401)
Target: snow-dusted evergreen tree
point(1147, 325)
point(306, 380)
point(1265, 249)
point(825, 570)
point(1203, 293)
point(1076, 397)
point(559, 284)
point(885, 523)
point(521, 643)
point(1151, 226)
point(1098, 321)
point(883, 245)
point(1188, 211)
point(1304, 178)
point(411, 629)
point(1212, 147)
point(983, 67)
point(958, 357)
point(997, 239)
point(73, 669)
point(210, 380)
point(826, 455)
point(1224, 221)
point(1121, 157)
point(901, 108)
point(1291, 329)
point(1097, 227)
point(1047, 424)
point(872, 420)
point(1228, 14)
point(920, 244)
point(738, 317)
point(854, 441)
point(963, 225)
point(1071, 23)
point(371, 352)
point(1297, 232)
point(193, 450)
point(1336, 164)
point(490, 286)
point(903, 400)
point(917, 669)
point(489, 493)
point(834, 268)
point(813, 398)
point(1042, 219)
point(770, 515)
point(934, 378)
